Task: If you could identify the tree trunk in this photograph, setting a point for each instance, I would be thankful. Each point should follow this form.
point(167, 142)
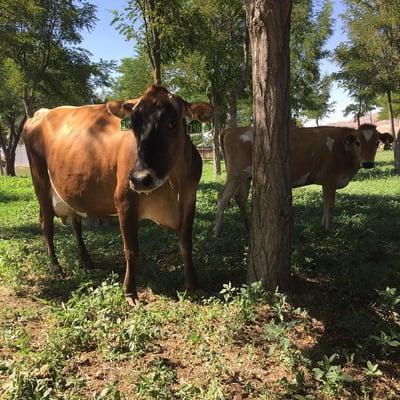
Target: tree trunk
point(216, 134)
point(157, 59)
point(9, 157)
point(157, 70)
point(28, 101)
point(270, 241)
point(232, 109)
point(396, 144)
point(391, 115)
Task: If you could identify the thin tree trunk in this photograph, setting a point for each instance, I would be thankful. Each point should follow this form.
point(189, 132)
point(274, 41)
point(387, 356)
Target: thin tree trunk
point(232, 109)
point(270, 241)
point(157, 59)
point(9, 157)
point(391, 115)
point(396, 144)
point(216, 134)
point(28, 102)
point(359, 114)
point(157, 70)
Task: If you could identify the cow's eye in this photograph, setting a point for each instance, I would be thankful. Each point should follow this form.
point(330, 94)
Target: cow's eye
point(172, 123)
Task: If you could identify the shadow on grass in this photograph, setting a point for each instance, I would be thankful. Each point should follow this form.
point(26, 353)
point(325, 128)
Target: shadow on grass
point(335, 276)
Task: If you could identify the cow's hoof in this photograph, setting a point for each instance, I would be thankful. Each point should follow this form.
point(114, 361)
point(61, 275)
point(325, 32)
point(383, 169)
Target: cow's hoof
point(56, 270)
point(132, 299)
point(87, 262)
point(201, 293)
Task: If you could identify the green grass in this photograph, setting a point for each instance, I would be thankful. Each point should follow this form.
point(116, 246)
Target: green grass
point(334, 334)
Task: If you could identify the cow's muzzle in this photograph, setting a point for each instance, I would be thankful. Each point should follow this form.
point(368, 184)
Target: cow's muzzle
point(368, 164)
point(142, 181)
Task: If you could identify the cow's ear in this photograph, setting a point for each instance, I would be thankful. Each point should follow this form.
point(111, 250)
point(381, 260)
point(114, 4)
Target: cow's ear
point(200, 111)
point(121, 109)
point(386, 138)
point(348, 141)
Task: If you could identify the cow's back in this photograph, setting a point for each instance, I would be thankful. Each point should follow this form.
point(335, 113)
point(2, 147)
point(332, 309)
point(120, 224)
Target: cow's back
point(237, 145)
point(80, 148)
point(318, 155)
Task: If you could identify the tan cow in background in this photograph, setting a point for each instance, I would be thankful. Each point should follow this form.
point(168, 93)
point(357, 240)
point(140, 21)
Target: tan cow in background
point(85, 163)
point(326, 156)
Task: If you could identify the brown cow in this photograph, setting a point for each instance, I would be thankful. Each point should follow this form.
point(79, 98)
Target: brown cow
point(84, 164)
point(326, 156)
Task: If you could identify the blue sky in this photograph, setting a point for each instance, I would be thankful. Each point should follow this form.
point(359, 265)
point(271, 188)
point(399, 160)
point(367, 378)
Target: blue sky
point(106, 43)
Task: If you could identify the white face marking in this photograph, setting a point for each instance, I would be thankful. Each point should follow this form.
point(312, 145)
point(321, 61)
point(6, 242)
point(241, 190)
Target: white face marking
point(302, 181)
point(368, 134)
point(329, 143)
point(247, 136)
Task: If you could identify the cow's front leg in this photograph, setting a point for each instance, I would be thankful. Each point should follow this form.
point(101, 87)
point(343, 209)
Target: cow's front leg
point(186, 244)
point(128, 222)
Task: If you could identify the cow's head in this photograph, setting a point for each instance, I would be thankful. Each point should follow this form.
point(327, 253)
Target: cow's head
point(159, 125)
point(364, 144)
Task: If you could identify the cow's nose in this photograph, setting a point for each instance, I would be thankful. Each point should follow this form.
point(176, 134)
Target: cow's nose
point(368, 164)
point(142, 181)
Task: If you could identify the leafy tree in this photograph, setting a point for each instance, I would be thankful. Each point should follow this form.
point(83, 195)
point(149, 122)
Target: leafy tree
point(43, 66)
point(310, 29)
point(157, 25)
point(383, 103)
point(371, 57)
point(362, 106)
point(217, 50)
point(135, 76)
point(11, 111)
point(38, 36)
point(321, 107)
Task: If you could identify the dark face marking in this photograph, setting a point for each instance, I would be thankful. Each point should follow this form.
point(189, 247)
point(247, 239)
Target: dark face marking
point(156, 124)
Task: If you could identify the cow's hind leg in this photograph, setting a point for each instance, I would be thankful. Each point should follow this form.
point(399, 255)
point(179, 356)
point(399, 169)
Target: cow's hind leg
point(76, 223)
point(47, 221)
point(329, 192)
point(241, 199)
point(228, 191)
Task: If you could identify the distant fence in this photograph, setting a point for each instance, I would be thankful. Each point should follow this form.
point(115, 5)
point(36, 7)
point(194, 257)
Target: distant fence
point(206, 152)
point(21, 159)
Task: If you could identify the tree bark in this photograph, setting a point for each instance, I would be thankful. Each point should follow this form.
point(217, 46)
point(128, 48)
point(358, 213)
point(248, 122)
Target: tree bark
point(216, 134)
point(396, 143)
point(359, 115)
point(10, 163)
point(232, 109)
point(157, 60)
point(270, 240)
point(9, 146)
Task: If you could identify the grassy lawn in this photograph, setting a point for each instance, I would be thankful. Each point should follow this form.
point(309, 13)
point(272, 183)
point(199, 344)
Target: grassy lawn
point(334, 335)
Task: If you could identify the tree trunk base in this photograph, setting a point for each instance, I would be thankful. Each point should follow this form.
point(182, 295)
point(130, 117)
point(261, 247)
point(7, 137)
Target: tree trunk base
point(396, 151)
